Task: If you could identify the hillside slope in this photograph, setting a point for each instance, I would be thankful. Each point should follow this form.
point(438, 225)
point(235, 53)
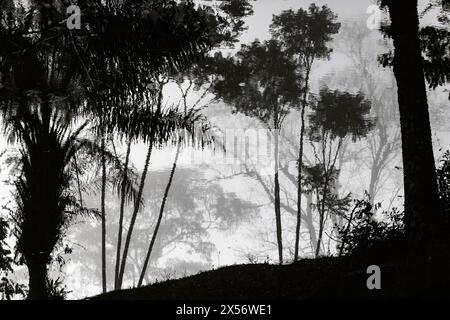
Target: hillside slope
point(324, 278)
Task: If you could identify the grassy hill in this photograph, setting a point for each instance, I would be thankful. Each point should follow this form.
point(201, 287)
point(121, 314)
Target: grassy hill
point(324, 278)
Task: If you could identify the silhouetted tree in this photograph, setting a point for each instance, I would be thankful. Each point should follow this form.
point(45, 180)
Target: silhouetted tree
point(336, 116)
point(305, 34)
point(194, 206)
point(200, 77)
point(422, 212)
point(262, 83)
point(60, 77)
point(236, 10)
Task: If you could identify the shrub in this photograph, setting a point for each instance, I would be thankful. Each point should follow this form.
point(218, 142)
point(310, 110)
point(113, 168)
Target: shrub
point(8, 288)
point(364, 233)
point(5, 258)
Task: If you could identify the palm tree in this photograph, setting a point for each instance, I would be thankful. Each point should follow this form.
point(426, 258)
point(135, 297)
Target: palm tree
point(53, 79)
point(192, 122)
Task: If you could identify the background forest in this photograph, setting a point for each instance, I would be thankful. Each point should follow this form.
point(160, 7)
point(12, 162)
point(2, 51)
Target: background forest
point(167, 138)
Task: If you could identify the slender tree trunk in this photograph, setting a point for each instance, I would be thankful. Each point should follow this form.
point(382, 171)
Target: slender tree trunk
point(103, 214)
point(347, 229)
point(163, 204)
point(277, 199)
point(328, 169)
point(422, 214)
point(321, 203)
point(77, 171)
point(321, 222)
point(300, 166)
point(121, 216)
point(161, 213)
point(310, 221)
point(377, 164)
point(140, 191)
point(134, 216)
point(374, 174)
point(299, 186)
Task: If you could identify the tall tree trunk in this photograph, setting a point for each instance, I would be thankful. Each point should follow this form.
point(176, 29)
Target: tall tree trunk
point(121, 215)
point(163, 204)
point(321, 222)
point(141, 188)
point(161, 213)
point(77, 174)
point(37, 269)
point(321, 203)
point(328, 169)
point(277, 199)
point(134, 216)
point(347, 229)
point(39, 202)
point(103, 213)
point(422, 214)
point(300, 165)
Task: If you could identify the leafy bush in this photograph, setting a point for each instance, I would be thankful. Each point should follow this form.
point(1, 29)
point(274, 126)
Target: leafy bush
point(363, 232)
point(57, 290)
point(5, 259)
point(8, 288)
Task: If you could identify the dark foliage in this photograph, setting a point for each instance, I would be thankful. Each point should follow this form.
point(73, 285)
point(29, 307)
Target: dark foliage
point(5, 258)
point(423, 218)
point(340, 114)
point(434, 43)
point(443, 173)
point(52, 78)
point(365, 233)
point(261, 82)
point(8, 287)
point(306, 33)
point(314, 180)
point(436, 47)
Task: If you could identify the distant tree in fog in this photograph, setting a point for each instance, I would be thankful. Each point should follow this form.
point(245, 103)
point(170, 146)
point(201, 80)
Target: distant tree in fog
point(261, 82)
point(383, 144)
point(305, 34)
point(195, 206)
point(336, 117)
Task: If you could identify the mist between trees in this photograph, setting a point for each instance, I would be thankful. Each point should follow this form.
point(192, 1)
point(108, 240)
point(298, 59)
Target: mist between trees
point(153, 143)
